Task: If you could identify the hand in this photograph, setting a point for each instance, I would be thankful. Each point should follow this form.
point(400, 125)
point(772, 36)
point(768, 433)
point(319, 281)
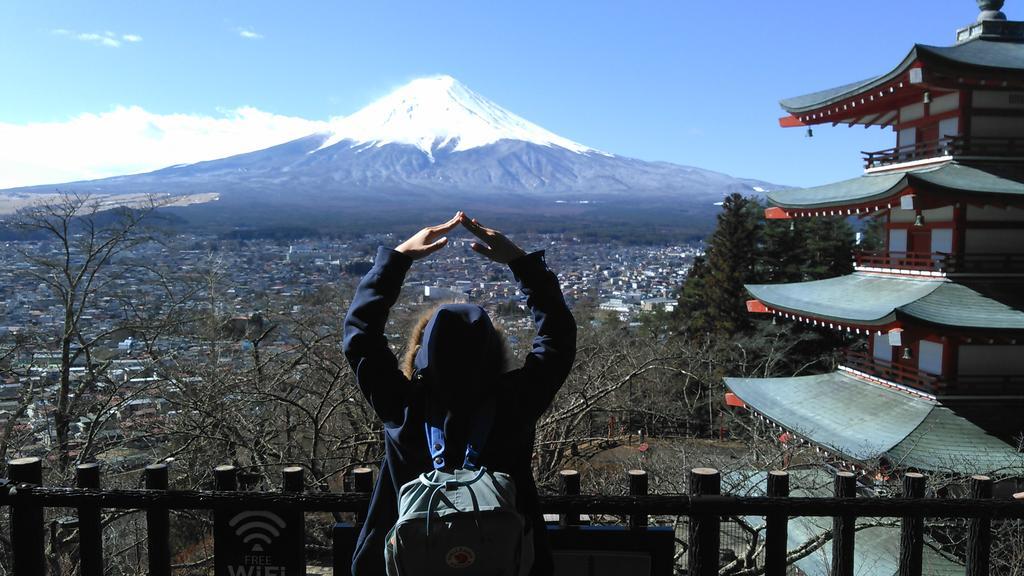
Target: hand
point(426, 241)
point(495, 245)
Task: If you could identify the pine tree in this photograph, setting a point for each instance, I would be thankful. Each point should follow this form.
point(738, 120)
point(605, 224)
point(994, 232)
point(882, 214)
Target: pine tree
point(732, 253)
point(829, 244)
point(783, 252)
point(692, 308)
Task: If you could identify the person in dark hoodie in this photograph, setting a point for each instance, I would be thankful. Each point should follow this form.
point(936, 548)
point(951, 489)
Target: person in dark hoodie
point(458, 364)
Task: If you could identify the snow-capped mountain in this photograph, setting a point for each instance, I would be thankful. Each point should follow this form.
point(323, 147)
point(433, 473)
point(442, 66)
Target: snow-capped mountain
point(439, 112)
point(431, 147)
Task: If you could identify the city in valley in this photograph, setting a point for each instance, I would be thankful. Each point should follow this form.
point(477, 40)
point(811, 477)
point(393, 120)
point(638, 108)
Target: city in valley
point(153, 305)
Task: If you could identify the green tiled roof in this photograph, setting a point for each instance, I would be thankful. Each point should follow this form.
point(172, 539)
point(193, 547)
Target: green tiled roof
point(813, 100)
point(993, 306)
point(856, 298)
point(864, 421)
point(877, 299)
point(876, 187)
point(839, 412)
point(945, 441)
point(877, 550)
point(990, 54)
point(982, 55)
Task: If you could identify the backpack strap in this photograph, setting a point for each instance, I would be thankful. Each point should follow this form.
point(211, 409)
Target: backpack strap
point(480, 430)
point(483, 422)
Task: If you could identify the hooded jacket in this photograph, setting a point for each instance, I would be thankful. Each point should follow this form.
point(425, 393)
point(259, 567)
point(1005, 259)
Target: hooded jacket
point(454, 374)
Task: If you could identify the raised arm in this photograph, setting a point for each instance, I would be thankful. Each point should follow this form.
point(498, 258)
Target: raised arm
point(554, 348)
point(365, 345)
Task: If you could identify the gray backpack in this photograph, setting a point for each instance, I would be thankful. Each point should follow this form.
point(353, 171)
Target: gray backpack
point(462, 522)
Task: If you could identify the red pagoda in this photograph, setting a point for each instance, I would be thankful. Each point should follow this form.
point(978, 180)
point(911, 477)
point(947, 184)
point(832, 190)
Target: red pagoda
point(941, 307)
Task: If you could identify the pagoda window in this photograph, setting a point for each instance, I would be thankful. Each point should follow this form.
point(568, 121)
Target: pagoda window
point(881, 349)
point(898, 241)
point(907, 137)
point(949, 127)
point(942, 241)
point(990, 360)
point(929, 357)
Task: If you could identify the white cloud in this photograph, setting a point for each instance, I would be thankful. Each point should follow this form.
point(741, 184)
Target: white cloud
point(106, 38)
point(100, 39)
point(249, 33)
point(129, 140)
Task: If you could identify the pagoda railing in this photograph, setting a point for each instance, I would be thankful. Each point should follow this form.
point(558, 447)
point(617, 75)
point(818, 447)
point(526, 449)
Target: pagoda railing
point(946, 146)
point(903, 260)
point(968, 384)
point(983, 263)
point(893, 372)
point(704, 506)
point(984, 385)
point(909, 153)
point(942, 262)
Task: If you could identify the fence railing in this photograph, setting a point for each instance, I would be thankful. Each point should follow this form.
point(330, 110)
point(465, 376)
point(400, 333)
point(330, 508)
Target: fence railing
point(704, 506)
point(946, 146)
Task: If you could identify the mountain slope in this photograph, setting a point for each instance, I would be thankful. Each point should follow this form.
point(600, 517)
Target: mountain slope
point(434, 146)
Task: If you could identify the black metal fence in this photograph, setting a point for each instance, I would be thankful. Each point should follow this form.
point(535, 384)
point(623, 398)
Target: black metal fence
point(704, 506)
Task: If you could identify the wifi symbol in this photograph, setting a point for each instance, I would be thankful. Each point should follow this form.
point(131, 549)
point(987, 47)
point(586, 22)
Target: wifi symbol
point(258, 527)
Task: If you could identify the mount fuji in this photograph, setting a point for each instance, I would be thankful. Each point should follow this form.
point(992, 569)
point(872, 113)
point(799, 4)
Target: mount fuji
point(423, 151)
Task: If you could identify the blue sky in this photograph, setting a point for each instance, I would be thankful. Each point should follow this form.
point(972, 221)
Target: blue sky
point(690, 82)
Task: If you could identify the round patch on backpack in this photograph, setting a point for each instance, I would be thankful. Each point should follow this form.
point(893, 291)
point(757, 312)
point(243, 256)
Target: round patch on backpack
point(460, 557)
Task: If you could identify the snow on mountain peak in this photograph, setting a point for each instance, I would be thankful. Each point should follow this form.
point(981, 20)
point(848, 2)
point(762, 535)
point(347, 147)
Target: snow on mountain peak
point(438, 111)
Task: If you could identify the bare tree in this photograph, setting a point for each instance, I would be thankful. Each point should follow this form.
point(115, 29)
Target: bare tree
point(83, 238)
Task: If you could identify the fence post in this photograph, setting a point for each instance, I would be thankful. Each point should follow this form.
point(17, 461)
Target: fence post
point(843, 527)
point(27, 519)
point(638, 487)
point(702, 555)
point(362, 481)
point(776, 525)
point(158, 524)
point(979, 531)
point(292, 481)
point(570, 487)
point(912, 529)
point(225, 477)
point(90, 529)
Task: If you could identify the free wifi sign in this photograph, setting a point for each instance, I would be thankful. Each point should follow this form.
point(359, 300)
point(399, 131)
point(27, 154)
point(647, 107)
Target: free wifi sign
point(259, 543)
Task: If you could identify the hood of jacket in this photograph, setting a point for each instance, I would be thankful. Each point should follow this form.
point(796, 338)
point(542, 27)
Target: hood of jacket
point(460, 355)
point(458, 364)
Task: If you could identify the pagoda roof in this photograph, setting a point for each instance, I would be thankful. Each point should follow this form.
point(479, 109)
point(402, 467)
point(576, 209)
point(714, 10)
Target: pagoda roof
point(877, 300)
point(877, 546)
point(947, 177)
point(863, 421)
point(1005, 58)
